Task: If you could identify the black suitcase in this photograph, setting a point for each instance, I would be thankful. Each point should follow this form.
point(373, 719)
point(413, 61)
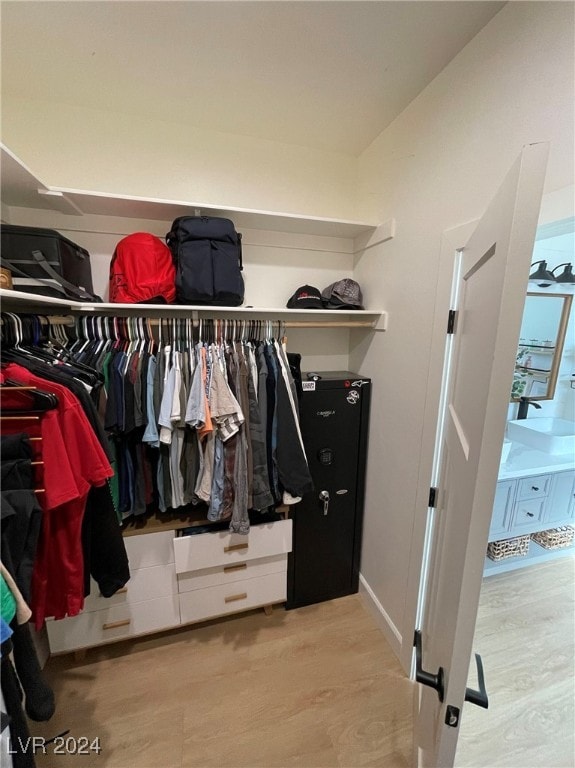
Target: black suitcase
point(42, 261)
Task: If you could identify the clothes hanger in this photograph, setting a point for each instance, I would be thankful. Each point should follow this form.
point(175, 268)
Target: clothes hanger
point(24, 348)
point(42, 401)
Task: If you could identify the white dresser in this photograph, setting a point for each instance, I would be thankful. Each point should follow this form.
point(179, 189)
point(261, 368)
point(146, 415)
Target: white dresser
point(182, 580)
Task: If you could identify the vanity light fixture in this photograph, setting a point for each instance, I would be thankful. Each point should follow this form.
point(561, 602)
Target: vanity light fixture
point(566, 276)
point(542, 276)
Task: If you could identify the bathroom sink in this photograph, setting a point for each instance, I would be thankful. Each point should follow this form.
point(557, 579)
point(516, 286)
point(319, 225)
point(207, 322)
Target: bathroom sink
point(544, 433)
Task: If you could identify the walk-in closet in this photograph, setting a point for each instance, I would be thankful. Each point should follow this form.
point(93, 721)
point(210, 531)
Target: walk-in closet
point(252, 530)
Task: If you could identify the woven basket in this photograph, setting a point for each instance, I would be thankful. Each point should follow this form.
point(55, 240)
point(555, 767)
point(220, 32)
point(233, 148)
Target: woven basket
point(555, 538)
point(500, 550)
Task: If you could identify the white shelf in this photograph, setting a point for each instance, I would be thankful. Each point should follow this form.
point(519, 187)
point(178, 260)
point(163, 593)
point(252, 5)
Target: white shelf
point(244, 218)
point(20, 187)
point(20, 302)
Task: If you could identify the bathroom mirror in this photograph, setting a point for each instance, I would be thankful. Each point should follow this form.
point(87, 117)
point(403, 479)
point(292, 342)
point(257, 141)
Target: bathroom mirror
point(541, 342)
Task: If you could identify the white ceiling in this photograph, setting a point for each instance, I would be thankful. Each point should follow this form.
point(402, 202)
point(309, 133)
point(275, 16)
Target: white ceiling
point(327, 75)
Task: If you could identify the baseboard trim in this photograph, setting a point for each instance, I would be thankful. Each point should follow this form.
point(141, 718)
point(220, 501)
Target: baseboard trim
point(390, 631)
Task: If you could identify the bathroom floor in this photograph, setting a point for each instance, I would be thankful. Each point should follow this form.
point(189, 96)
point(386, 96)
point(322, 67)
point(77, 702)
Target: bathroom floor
point(525, 635)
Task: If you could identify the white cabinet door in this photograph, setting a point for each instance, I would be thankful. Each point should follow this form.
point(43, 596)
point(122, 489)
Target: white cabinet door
point(502, 509)
point(493, 277)
point(561, 503)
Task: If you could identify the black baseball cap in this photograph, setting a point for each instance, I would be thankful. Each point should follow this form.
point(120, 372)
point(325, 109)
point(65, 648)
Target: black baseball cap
point(306, 297)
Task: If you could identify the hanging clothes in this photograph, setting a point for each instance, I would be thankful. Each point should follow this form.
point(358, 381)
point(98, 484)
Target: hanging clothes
point(78, 534)
point(197, 421)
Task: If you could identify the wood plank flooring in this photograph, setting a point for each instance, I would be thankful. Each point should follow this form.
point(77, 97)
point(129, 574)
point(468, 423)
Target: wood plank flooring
point(525, 635)
point(317, 687)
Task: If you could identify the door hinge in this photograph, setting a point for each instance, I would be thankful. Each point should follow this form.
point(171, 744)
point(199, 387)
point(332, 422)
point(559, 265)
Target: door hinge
point(451, 321)
point(432, 497)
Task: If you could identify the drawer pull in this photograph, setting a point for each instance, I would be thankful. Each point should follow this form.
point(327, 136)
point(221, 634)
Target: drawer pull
point(116, 624)
point(530, 514)
point(534, 488)
point(237, 567)
point(233, 598)
point(235, 547)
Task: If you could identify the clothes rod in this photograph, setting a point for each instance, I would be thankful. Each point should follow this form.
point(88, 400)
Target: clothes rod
point(44, 319)
point(328, 324)
point(284, 323)
point(69, 320)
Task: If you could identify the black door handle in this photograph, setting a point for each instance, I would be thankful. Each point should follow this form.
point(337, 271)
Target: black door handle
point(478, 697)
point(427, 678)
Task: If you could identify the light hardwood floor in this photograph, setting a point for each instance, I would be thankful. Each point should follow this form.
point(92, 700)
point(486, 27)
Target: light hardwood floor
point(317, 687)
point(525, 635)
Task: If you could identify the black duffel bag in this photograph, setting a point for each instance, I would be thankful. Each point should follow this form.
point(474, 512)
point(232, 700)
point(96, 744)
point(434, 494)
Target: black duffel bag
point(207, 253)
point(42, 261)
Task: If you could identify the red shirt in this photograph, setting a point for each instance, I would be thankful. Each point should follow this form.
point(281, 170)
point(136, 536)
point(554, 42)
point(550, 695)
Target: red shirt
point(58, 578)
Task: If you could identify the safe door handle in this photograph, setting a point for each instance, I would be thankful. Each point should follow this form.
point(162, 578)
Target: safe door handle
point(427, 678)
point(479, 698)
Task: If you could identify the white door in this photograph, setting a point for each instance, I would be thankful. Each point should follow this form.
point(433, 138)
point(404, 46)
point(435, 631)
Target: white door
point(492, 280)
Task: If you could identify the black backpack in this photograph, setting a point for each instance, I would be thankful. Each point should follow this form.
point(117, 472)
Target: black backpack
point(207, 254)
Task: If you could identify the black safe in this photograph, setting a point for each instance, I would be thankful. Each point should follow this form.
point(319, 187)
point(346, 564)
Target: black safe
point(327, 523)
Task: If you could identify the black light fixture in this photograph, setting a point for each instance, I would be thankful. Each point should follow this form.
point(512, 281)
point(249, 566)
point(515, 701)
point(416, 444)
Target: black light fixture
point(566, 276)
point(542, 276)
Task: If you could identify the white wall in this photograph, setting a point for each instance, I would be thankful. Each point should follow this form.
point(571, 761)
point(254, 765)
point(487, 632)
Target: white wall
point(434, 168)
point(74, 148)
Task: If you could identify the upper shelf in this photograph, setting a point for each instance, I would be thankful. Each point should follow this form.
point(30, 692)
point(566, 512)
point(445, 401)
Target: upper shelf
point(18, 301)
point(20, 187)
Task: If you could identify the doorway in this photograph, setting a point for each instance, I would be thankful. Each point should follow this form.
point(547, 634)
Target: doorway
point(526, 615)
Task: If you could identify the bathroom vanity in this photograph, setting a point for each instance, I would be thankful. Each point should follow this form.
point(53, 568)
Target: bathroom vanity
point(536, 482)
point(535, 492)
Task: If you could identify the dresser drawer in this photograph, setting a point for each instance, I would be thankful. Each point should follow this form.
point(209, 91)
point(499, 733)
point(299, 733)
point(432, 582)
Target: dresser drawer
point(229, 574)
point(529, 513)
point(113, 623)
point(148, 549)
point(144, 584)
point(207, 550)
point(215, 601)
point(533, 487)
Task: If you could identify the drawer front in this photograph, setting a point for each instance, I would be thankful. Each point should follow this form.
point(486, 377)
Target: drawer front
point(533, 487)
point(148, 549)
point(529, 514)
point(114, 623)
point(229, 574)
point(144, 584)
point(502, 508)
point(206, 550)
point(208, 603)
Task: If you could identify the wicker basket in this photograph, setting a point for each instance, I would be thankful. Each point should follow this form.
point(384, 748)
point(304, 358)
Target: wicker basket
point(501, 550)
point(555, 538)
